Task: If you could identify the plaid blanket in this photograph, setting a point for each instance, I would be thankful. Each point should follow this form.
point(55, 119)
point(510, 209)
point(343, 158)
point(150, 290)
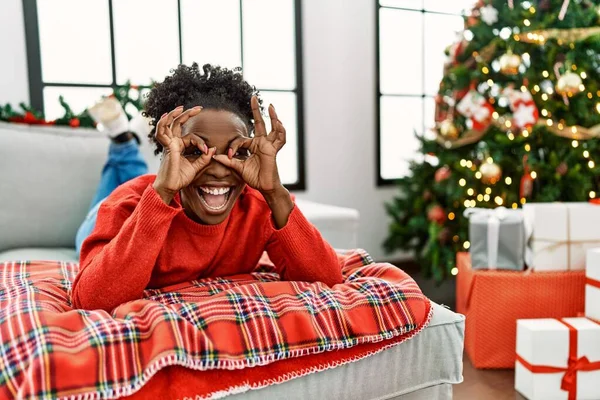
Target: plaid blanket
point(50, 350)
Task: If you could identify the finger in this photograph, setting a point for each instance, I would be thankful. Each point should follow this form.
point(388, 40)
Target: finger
point(281, 137)
point(239, 143)
point(233, 163)
point(182, 118)
point(163, 126)
point(160, 133)
point(204, 159)
point(194, 140)
point(273, 115)
point(259, 123)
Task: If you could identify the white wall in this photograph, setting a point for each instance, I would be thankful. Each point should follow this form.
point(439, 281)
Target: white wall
point(339, 88)
point(339, 77)
point(14, 86)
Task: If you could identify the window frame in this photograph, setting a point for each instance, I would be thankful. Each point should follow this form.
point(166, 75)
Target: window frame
point(37, 85)
point(384, 182)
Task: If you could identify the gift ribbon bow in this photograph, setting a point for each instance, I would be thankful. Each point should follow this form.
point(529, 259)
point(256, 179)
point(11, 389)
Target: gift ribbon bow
point(574, 365)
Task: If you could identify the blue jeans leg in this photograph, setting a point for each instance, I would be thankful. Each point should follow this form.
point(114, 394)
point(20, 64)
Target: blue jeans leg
point(124, 163)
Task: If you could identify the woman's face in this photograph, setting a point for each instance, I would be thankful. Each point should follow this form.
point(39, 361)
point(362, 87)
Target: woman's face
point(210, 197)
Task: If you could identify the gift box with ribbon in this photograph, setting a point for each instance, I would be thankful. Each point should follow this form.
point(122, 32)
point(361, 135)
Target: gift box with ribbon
point(498, 238)
point(493, 301)
point(592, 284)
point(558, 359)
point(561, 234)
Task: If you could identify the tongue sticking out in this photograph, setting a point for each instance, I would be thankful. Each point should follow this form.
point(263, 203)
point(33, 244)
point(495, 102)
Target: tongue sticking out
point(215, 200)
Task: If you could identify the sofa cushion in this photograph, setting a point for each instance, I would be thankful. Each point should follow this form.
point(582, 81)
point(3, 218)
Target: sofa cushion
point(48, 176)
point(39, 254)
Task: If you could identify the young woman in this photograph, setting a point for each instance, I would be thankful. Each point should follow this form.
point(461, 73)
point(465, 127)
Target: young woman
point(215, 205)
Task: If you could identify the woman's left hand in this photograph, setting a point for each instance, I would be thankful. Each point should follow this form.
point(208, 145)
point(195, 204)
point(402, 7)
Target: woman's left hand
point(258, 168)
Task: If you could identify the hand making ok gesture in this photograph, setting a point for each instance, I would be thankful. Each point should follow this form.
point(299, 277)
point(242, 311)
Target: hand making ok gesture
point(259, 169)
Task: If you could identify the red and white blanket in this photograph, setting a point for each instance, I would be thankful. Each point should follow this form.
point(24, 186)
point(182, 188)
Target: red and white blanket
point(201, 329)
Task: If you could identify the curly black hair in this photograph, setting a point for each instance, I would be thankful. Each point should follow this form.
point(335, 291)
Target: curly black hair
point(212, 88)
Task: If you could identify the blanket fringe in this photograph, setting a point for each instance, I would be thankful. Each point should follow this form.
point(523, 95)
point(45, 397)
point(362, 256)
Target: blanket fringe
point(317, 368)
point(172, 359)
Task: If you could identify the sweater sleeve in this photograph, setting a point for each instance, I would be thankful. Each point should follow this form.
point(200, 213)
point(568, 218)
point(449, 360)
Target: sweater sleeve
point(301, 254)
point(117, 259)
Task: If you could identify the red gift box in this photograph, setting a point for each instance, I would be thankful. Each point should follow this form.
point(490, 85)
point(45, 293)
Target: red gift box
point(493, 301)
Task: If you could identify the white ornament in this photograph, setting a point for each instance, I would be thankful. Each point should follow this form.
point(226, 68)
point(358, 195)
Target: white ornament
point(524, 115)
point(569, 84)
point(489, 14)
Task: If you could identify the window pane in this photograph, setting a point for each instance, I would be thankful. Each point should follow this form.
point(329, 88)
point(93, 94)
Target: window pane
point(269, 44)
point(400, 51)
point(77, 98)
point(400, 118)
point(287, 159)
point(211, 32)
point(429, 116)
point(440, 31)
point(146, 39)
point(454, 6)
point(414, 4)
point(75, 41)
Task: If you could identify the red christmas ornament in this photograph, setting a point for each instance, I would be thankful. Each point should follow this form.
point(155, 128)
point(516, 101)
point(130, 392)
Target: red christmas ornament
point(74, 122)
point(437, 214)
point(442, 174)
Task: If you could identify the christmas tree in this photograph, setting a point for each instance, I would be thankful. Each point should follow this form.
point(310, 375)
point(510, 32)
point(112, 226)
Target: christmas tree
point(517, 120)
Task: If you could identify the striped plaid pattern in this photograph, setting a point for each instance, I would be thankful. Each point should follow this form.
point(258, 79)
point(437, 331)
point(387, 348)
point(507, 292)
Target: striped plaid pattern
point(50, 350)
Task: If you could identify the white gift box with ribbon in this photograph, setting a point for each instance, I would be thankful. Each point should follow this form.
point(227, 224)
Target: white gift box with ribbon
point(592, 284)
point(561, 234)
point(498, 238)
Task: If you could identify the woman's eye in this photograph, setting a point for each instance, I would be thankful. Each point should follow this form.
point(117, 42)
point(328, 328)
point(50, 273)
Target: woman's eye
point(242, 153)
point(192, 153)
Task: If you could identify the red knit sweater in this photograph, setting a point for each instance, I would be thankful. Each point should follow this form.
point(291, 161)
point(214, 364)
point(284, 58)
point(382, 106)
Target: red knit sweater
point(140, 242)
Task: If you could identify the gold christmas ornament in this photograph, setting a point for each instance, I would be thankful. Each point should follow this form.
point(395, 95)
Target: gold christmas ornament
point(569, 84)
point(448, 129)
point(509, 63)
point(490, 173)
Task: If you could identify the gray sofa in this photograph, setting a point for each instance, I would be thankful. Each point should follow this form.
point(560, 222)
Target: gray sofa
point(48, 176)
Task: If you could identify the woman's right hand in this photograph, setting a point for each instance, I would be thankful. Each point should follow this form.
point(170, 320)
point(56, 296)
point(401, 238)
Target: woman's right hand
point(176, 170)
